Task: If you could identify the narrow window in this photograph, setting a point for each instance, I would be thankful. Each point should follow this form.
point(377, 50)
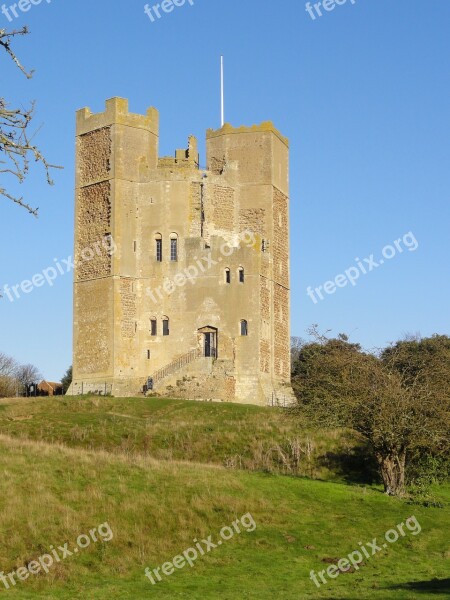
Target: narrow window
point(159, 250)
point(227, 276)
point(244, 327)
point(241, 275)
point(154, 327)
point(173, 249)
point(108, 243)
point(158, 247)
point(165, 326)
point(134, 246)
point(148, 354)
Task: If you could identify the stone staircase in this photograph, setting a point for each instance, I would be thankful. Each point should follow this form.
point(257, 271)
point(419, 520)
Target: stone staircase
point(176, 365)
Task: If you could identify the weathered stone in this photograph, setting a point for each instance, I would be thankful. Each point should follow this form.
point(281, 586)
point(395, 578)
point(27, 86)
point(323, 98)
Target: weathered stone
point(231, 218)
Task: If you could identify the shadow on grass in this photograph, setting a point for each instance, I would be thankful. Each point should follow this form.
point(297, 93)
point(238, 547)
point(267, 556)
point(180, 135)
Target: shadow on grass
point(434, 586)
point(355, 466)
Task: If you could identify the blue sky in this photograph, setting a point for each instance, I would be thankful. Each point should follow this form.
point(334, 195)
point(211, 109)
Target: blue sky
point(362, 92)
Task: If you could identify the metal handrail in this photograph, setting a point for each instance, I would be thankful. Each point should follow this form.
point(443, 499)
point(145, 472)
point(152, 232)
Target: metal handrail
point(176, 365)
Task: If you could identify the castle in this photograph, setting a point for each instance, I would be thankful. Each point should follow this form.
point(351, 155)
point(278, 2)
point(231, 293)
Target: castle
point(187, 291)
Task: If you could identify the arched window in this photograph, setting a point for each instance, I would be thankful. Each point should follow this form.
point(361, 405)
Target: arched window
point(173, 247)
point(165, 322)
point(227, 276)
point(158, 247)
point(244, 327)
point(241, 274)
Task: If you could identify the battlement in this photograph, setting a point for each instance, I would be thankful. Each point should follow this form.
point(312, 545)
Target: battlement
point(265, 127)
point(184, 158)
point(116, 112)
point(196, 293)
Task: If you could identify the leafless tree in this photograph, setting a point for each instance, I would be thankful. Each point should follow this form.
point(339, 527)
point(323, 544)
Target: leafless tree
point(296, 346)
point(17, 149)
point(8, 370)
point(27, 374)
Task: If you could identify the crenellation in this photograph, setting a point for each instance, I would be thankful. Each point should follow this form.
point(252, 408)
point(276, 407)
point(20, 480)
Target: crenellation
point(196, 292)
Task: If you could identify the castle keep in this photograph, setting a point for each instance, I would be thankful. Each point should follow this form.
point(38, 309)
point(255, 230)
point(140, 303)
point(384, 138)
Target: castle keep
point(188, 282)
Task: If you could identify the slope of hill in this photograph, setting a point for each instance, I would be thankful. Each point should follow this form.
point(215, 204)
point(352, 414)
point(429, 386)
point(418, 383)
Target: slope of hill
point(51, 493)
point(232, 435)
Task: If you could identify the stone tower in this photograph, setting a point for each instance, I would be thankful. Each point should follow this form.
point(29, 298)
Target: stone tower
point(181, 273)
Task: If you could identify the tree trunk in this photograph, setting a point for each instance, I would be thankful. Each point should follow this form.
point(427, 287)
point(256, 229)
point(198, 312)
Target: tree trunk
point(392, 470)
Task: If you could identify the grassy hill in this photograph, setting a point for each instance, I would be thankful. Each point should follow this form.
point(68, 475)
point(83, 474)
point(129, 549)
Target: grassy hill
point(158, 473)
point(231, 435)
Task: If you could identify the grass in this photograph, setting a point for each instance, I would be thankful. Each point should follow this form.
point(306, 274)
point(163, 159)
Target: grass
point(236, 436)
point(55, 488)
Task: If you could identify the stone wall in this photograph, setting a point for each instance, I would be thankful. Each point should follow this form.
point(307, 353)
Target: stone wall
point(195, 209)
point(93, 334)
point(252, 219)
point(92, 254)
point(281, 332)
point(281, 285)
point(129, 310)
point(218, 384)
point(125, 191)
point(223, 208)
point(265, 344)
point(280, 243)
point(94, 155)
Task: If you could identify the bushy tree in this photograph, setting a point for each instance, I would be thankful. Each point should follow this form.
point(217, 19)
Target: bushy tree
point(426, 361)
point(338, 384)
point(67, 380)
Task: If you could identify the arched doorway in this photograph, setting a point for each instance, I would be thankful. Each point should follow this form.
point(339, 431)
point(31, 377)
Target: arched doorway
point(208, 341)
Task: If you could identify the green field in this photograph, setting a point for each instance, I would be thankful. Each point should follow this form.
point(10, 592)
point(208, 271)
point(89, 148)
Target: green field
point(162, 473)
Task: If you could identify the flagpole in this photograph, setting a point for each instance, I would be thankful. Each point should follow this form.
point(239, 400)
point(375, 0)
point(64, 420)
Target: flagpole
point(222, 100)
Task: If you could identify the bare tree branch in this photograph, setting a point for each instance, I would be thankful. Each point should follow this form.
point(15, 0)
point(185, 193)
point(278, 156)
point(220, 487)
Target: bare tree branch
point(15, 137)
point(5, 41)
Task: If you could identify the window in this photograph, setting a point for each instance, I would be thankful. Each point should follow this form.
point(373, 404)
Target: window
point(108, 243)
point(158, 242)
point(154, 326)
point(241, 275)
point(227, 276)
point(244, 327)
point(148, 354)
point(159, 250)
point(173, 249)
point(165, 326)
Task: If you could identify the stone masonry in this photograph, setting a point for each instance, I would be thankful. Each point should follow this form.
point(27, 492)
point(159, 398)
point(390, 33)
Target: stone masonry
point(189, 281)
